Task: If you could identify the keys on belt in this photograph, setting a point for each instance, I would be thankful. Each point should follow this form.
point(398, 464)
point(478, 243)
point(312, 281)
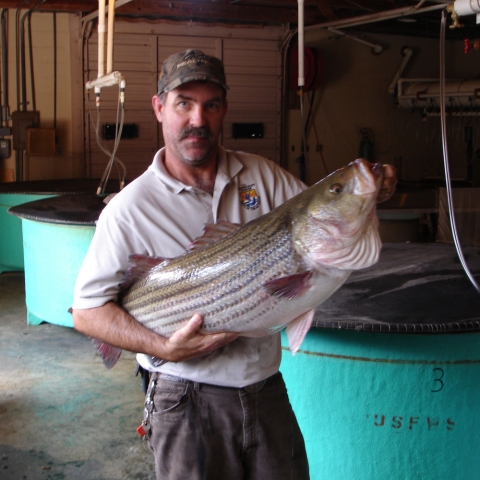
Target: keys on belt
point(144, 429)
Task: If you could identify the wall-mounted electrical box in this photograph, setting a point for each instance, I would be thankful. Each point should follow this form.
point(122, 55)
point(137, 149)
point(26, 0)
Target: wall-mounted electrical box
point(20, 122)
point(5, 149)
point(41, 142)
point(247, 130)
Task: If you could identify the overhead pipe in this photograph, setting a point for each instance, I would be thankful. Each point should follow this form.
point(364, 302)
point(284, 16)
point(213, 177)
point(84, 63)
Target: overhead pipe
point(111, 26)
point(461, 93)
point(376, 47)
point(91, 16)
point(379, 16)
point(101, 38)
point(407, 55)
point(467, 7)
point(108, 78)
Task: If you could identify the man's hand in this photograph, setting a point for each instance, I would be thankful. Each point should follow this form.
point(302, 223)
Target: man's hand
point(387, 188)
point(111, 324)
point(187, 342)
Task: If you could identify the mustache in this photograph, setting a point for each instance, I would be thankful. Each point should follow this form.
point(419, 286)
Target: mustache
point(200, 132)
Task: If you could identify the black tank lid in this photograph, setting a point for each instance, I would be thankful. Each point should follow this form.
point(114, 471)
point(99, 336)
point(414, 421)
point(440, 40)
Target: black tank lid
point(70, 209)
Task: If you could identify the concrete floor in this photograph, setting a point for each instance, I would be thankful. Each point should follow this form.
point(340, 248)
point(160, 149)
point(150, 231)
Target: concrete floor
point(62, 414)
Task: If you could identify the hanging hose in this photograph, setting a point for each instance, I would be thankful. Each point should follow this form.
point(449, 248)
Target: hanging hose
point(30, 55)
point(54, 70)
point(118, 134)
point(23, 74)
point(302, 159)
point(445, 154)
point(5, 108)
point(310, 101)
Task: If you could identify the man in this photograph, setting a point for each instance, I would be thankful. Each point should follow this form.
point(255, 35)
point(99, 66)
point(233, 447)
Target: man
point(220, 408)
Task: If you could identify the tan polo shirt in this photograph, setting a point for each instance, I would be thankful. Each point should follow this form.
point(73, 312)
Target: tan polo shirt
point(159, 216)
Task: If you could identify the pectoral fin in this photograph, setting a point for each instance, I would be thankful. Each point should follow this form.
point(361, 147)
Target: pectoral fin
point(290, 287)
point(109, 354)
point(297, 329)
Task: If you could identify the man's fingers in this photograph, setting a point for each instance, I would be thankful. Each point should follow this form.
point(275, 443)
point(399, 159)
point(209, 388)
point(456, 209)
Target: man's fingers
point(189, 342)
point(190, 329)
point(387, 188)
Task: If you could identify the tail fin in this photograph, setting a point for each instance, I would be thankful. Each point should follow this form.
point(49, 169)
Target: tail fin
point(109, 354)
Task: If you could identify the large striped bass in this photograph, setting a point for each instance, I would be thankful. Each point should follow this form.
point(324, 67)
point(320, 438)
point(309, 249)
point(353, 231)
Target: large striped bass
point(270, 273)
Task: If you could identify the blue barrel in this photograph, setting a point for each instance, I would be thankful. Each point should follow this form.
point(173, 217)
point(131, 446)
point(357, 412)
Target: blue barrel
point(386, 384)
point(11, 245)
point(56, 235)
point(376, 406)
point(53, 256)
point(17, 193)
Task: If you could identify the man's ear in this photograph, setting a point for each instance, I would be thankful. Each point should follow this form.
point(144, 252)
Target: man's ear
point(157, 107)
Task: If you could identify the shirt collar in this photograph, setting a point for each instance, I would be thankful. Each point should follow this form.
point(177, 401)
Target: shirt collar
point(228, 167)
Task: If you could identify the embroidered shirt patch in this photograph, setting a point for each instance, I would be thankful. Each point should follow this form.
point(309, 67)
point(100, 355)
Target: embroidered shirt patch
point(249, 197)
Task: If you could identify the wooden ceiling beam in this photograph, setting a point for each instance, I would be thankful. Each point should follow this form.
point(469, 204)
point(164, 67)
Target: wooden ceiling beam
point(53, 5)
point(243, 11)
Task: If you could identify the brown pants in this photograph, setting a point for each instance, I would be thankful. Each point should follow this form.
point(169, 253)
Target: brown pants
point(204, 432)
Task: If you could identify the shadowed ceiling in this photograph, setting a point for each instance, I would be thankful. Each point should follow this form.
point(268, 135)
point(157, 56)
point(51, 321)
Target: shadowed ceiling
point(331, 13)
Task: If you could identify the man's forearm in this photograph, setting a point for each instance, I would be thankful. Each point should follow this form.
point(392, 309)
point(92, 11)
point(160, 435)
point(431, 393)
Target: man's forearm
point(112, 324)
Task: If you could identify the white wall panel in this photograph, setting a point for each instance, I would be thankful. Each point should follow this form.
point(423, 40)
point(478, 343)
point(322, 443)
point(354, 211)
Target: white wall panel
point(253, 70)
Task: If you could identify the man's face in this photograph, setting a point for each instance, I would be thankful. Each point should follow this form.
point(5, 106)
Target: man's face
point(191, 117)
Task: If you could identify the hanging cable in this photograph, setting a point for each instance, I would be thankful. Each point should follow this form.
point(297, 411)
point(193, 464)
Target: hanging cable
point(54, 70)
point(118, 134)
point(301, 83)
point(445, 154)
point(316, 134)
point(30, 55)
point(5, 107)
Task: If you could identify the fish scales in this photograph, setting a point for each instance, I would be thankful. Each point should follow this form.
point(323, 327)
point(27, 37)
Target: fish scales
point(239, 293)
point(194, 259)
point(225, 286)
point(167, 294)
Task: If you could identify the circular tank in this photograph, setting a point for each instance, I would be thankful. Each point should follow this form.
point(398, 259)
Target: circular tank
point(53, 256)
point(377, 406)
point(11, 246)
point(18, 193)
point(385, 384)
point(56, 235)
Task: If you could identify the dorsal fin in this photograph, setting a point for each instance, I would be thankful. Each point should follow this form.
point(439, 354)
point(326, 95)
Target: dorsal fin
point(140, 265)
point(212, 233)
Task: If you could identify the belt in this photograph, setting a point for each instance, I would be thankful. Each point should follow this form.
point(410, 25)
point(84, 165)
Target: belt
point(252, 388)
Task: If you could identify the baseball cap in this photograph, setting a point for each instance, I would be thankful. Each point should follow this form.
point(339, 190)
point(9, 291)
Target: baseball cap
point(189, 66)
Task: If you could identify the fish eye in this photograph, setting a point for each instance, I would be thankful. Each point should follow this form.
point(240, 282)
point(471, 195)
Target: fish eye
point(336, 188)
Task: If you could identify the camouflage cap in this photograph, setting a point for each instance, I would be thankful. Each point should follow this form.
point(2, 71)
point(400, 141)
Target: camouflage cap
point(189, 66)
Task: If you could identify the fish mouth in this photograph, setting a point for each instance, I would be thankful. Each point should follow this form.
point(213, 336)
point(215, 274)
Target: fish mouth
point(369, 178)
